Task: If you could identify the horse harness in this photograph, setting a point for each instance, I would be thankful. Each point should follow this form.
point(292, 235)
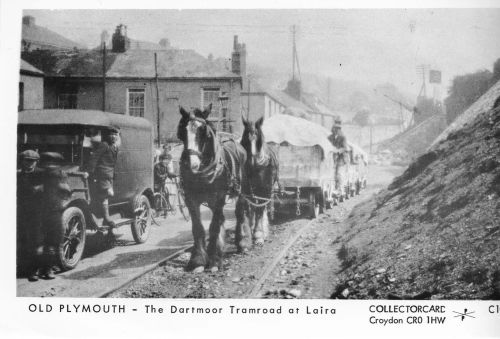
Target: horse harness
point(216, 166)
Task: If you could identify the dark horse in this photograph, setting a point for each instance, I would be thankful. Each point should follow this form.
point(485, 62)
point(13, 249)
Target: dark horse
point(209, 169)
point(262, 169)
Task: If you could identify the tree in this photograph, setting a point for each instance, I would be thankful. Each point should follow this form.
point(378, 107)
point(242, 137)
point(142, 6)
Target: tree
point(464, 91)
point(496, 72)
point(364, 118)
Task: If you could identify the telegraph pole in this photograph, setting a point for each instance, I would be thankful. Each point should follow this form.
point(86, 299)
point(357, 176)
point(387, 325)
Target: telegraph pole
point(421, 69)
point(293, 52)
point(104, 76)
point(248, 100)
point(157, 103)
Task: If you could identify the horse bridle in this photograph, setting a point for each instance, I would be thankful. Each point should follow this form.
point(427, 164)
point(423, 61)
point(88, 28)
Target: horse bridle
point(215, 166)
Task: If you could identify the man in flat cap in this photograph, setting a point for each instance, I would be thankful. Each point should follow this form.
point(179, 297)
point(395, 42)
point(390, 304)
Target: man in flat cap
point(29, 230)
point(338, 140)
point(101, 169)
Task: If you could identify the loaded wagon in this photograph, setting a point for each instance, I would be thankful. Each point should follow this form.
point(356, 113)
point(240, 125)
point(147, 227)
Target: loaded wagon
point(306, 164)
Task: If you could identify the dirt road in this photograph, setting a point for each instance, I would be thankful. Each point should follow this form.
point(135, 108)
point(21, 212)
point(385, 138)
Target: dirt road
point(103, 268)
point(305, 270)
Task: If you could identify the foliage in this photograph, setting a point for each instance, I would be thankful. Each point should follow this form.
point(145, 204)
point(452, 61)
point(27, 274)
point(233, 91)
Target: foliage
point(496, 72)
point(44, 60)
point(465, 90)
point(363, 118)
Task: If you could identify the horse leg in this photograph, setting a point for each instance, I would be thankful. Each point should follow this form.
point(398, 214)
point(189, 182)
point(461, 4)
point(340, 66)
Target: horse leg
point(199, 257)
point(260, 230)
point(242, 237)
point(216, 237)
point(265, 222)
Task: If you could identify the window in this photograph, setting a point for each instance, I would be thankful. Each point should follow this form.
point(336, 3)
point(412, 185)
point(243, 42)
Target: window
point(67, 100)
point(20, 107)
point(210, 95)
point(136, 102)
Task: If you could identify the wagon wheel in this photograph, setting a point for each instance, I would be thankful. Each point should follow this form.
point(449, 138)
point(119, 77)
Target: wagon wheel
point(141, 225)
point(313, 205)
point(73, 229)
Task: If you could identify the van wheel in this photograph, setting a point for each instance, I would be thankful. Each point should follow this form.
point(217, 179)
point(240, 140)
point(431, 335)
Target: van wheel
point(141, 225)
point(73, 229)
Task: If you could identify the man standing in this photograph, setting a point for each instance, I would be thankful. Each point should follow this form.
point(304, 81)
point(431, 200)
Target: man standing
point(56, 195)
point(101, 169)
point(338, 140)
point(29, 229)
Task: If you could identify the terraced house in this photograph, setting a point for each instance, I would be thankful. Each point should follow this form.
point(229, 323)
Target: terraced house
point(136, 82)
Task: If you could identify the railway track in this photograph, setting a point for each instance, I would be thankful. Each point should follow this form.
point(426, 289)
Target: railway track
point(251, 291)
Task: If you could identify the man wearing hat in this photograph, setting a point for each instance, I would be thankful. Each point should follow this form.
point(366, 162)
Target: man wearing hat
point(29, 231)
point(56, 194)
point(338, 140)
point(101, 169)
point(163, 169)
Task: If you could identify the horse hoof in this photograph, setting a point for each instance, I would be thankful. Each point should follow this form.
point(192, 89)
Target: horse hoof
point(199, 269)
point(259, 242)
point(214, 269)
point(242, 250)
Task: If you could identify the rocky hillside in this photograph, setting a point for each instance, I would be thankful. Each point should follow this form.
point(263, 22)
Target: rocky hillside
point(435, 231)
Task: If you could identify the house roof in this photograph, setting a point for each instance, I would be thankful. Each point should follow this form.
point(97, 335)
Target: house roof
point(30, 69)
point(316, 104)
point(173, 63)
point(280, 96)
point(42, 35)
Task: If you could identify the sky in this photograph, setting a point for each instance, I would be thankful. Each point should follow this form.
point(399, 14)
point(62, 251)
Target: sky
point(371, 46)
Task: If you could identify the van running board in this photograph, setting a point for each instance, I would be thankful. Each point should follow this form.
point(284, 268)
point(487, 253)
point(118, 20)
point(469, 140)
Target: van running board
point(118, 223)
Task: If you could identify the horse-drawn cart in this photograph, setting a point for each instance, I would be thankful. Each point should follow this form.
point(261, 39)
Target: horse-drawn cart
point(306, 158)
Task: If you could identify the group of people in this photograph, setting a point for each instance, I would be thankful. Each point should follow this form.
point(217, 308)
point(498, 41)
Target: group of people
point(42, 194)
point(42, 189)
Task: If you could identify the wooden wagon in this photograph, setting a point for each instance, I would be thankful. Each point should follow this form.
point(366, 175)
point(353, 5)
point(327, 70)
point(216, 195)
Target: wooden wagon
point(306, 160)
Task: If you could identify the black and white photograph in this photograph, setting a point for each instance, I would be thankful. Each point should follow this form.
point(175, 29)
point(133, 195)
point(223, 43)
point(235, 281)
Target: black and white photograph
point(259, 154)
point(295, 154)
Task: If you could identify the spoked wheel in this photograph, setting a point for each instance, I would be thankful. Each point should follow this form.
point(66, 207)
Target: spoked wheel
point(142, 221)
point(160, 205)
point(182, 204)
point(73, 229)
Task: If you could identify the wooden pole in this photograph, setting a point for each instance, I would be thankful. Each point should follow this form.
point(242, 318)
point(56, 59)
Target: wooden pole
point(248, 100)
point(104, 76)
point(157, 104)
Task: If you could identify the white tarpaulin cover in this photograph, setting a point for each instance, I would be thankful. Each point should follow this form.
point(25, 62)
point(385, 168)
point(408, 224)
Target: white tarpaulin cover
point(358, 150)
point(297, 132)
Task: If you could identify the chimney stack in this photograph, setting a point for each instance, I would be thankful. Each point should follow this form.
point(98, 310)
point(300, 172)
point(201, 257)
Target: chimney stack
point(239, 58)
point(120, 42)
